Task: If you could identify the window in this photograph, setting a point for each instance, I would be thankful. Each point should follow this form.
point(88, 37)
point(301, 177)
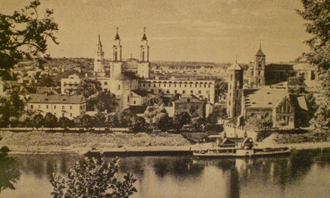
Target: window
point(54, 106)
point(81, 107)
point(259, 72)
point(192, 91)
point(70, 114)
point(118, 88)
point(185, 85)
point(105, 83)
point(184, 91)
point(165, 85)
point(127, 98)
point(190, 85)
point(174, 85)
point(31, 106)
point(149, 84)
point(168, 91)
point(195, 85)
point(134, 102)
point(205, 85)
point(259, 64)
point(169, 85)
point(46, 106)
point(70, 107)
point(175, 91)
point(209, 85)
point(180, 85)
point(154, 85)
point(39, 106)
point(200, 91)
point(63, 107)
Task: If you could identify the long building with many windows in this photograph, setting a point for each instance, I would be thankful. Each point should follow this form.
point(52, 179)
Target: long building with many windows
point(58, 105)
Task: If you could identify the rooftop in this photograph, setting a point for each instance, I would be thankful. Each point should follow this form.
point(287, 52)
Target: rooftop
point(56, 99)
point(263, 98)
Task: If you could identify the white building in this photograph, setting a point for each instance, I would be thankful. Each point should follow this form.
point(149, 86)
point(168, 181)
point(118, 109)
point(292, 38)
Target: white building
point(70, 84)
point(58, 105)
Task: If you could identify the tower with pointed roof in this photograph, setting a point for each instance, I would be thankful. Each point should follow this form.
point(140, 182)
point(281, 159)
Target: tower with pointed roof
point(99, 59)
point(257, 77)
point(116, 64)
point(143, 69)
point(235, 84)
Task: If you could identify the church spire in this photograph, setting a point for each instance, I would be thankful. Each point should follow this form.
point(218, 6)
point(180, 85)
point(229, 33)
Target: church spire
point(117, 35)
point(99, 45)
point(144, 37)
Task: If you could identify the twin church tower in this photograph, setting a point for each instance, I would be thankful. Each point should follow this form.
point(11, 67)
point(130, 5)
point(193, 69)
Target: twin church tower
point(116, 65)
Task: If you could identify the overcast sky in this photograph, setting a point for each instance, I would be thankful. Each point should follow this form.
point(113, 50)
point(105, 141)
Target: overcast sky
point(190, 30)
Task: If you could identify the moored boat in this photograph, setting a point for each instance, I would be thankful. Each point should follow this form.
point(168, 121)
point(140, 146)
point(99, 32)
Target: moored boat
point(240, 147)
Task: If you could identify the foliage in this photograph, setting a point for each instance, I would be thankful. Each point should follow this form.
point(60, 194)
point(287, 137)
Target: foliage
point(12, 106)
point(218, 112)
point(181, 119)
point(197, 123)
point(89, 87)
point(50, 120)
point(93, 178)
point(9, 172)
point(46, 81)
point(65, 122)
point(164, 122)
point(220, 88)
point(316, 13)
point(24, 35)
point(259, 124)
point(103, 101)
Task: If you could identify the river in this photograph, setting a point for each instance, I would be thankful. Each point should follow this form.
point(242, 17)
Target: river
point(302, 174)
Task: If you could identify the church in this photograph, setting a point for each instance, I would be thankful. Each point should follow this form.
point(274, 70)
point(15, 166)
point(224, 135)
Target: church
point(133, 88)
point(255, 99)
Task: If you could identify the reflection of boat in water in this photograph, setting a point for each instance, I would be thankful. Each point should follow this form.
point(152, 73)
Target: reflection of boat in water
point(240, 147)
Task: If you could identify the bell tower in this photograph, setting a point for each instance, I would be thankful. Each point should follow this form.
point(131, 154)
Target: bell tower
point(99, 60)
point(143, 69)
point(235, 84)
point(116, 64)
point(259, 69)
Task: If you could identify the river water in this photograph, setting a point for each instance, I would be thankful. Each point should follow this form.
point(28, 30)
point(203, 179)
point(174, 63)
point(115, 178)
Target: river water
point(302, 174)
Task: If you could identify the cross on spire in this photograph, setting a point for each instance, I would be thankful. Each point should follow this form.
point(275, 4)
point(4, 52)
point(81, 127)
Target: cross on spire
point(117, 35)
point(144, 38)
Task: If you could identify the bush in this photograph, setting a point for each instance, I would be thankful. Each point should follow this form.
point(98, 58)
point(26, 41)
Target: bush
point(93, 178)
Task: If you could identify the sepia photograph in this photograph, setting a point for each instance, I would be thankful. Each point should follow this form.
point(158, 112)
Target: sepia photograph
point(164, 98)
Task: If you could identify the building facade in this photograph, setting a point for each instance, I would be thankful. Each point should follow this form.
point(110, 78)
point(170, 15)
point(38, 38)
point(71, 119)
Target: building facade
point(58, 105)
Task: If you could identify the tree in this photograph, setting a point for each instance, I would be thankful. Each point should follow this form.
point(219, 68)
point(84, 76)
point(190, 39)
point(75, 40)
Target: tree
point(220, 88)
point(50, 120)
point(24, 35)
point(37, 121)
point(89, 87)
point(105, 101)
point(181, 119)
point(65, 122)
point(164, 122)
point(93, 178)
point(9, 172)
point(316, 13)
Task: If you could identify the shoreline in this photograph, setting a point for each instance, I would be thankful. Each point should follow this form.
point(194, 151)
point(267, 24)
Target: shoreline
point(145, 150)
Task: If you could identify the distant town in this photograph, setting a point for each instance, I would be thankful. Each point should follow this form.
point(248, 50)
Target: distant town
point(141, 95)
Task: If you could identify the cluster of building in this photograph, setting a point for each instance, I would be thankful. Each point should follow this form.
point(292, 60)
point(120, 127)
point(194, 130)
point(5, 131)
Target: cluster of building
point(131, 88)
point(262, 100)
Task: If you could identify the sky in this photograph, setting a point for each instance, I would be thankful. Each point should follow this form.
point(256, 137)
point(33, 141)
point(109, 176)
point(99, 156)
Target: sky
point(177, 30)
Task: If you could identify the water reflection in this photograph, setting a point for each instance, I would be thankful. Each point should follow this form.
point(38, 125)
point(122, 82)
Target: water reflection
point(9, 172)
point(186, 177)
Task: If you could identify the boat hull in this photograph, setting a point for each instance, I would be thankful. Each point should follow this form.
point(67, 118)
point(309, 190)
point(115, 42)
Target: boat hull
point(239, 153)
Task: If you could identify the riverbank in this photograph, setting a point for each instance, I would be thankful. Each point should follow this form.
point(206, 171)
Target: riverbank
point(39, 142)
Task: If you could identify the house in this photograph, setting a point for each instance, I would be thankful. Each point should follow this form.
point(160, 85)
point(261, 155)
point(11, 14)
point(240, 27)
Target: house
point(58, 105)
point(70, 84)
point(191, 105)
